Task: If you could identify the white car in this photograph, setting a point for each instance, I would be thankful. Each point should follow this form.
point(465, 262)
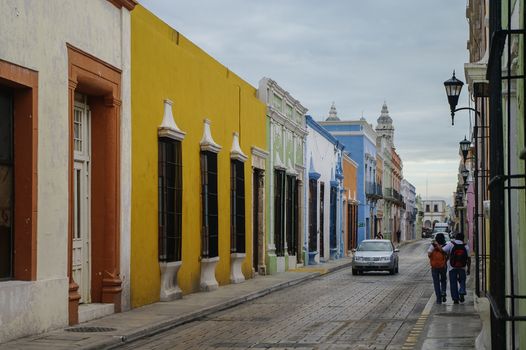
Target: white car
point(375, 255)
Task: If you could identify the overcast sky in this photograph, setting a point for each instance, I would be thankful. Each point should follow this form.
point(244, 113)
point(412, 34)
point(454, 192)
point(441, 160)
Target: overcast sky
point(356, 53)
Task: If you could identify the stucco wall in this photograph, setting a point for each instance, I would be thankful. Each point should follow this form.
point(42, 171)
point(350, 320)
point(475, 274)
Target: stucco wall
point(166, 65)
point(324, 158)
point(34, 36)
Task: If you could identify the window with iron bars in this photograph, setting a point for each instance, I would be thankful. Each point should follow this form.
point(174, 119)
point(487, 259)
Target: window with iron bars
point(279, 212)
point(333, 198)
point(170, 189)
point(313, 217)
point(237, 205)
point(6, 184)
point(292, 214)
point(507, 174)
point(209, 216)
point(322, 221)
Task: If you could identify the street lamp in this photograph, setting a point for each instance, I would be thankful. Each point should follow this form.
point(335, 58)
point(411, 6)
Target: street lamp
point(453, 88)
point(464, 147)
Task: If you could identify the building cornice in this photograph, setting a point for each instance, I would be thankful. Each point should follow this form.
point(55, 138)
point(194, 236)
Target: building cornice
point(274, 87)
point(323, 132)
point(259, 152)
point(279, 118)
point(475, 73)
point(127, 4)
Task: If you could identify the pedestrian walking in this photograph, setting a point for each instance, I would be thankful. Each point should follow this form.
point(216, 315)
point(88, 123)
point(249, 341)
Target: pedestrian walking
point(398, 234)
point(458, 262)
point(379, 235)
point(437, 260)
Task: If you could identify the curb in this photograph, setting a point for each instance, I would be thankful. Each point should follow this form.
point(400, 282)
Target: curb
point(154, 329)
point(414, 335)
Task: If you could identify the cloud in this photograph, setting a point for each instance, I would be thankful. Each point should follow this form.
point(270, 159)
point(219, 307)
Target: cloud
point(354, 52)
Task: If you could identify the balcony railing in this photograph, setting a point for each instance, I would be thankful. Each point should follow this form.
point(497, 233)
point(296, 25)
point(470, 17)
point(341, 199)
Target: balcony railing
point(379, 191)
point(388, 194)
point(373, 189)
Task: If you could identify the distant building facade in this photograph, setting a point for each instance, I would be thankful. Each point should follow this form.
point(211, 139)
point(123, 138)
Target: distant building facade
point(435, 210)
point(359, 138)
point(408, 192)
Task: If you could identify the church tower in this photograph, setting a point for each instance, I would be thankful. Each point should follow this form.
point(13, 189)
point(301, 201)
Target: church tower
point(333, 114)
point(385, 126)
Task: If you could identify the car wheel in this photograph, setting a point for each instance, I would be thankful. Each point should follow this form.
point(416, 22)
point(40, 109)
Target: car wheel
point(354, 272)
point(391, 271)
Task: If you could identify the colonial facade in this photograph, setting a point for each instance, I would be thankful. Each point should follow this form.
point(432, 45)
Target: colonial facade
point(419, 216)
point(384, 146)
point(65, 162)
point(359, 137)
point(286, 133)
point(350, 204)
point(198, 148)
point(408, 223)
point(495, 162)
point(398, 210)
point(434, 212)
point(324, 202)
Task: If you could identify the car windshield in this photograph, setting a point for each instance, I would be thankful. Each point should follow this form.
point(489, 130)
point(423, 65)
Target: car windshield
point(446, 237)
point(375, 247)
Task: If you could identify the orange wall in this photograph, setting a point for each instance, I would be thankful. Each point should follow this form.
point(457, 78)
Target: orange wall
point(349, 185)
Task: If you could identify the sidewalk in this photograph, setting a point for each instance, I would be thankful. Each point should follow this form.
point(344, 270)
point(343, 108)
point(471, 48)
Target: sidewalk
point(446, 326)
point(154, 318)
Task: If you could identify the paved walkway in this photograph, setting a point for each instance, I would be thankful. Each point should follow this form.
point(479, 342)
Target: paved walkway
point(446, 326)
point(161, 316)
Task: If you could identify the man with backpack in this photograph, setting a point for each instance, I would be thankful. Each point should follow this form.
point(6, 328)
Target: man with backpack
point(437, 260)
point(459, 260)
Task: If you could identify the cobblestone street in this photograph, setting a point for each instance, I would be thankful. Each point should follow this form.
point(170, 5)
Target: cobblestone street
point(336, 311)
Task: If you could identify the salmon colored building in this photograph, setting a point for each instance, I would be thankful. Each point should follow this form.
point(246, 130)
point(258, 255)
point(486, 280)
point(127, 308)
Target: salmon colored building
point(198, 140)
point(350, 204)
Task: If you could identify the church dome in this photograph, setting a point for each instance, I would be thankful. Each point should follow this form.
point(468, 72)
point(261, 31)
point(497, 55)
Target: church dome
point(333, 114)
point(384, 116)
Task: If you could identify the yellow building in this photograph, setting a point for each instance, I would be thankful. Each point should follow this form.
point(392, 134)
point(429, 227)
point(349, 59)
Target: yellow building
point(198, 140)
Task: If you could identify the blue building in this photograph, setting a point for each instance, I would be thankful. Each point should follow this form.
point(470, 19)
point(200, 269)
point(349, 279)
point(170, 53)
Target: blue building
point(359, 139)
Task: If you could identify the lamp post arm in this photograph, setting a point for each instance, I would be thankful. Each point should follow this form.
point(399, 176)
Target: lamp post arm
point(468, 108)
point(461, 109)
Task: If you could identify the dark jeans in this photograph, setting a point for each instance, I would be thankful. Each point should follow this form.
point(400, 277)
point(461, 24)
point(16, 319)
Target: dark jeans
point(439, 282)
point(457, 282)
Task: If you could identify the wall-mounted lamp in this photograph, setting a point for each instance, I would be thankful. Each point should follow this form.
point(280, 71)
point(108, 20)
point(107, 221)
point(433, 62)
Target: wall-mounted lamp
point(453, 88)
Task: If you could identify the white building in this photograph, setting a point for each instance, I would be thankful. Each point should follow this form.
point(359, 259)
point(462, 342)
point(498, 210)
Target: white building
point(324, 196)
point(64, 70)
point(408, 192)
point(435, 210)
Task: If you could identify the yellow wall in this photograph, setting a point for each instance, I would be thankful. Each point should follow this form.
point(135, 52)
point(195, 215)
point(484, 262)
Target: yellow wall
point(165, 65)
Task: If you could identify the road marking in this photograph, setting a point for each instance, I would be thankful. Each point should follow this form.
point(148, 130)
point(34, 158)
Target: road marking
point(414, 334)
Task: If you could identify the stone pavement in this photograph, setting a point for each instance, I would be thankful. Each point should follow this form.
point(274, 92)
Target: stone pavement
point(158, 317)
point(446, 326)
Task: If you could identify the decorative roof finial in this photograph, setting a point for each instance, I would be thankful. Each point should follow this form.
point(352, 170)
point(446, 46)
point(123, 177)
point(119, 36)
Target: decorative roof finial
point(333, 114)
